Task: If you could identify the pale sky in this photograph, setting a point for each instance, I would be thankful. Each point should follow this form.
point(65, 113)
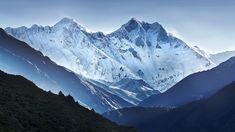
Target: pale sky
point(209, 24)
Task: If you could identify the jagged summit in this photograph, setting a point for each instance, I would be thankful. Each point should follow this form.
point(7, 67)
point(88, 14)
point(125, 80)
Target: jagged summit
point(132, 24)
point(135, 29)
point(137, 50)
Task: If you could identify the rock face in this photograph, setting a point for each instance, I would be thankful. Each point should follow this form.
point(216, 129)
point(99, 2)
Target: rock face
point(136, 52)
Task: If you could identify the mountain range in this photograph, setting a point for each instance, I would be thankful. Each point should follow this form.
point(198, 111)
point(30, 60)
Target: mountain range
point(137, 53)
point(139, 75)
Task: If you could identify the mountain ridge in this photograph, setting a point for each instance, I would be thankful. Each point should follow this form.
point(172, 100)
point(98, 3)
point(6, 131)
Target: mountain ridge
point(25, 107)
point(215, 113)
point(195, 86)
point(136, 51)
point(221, 57)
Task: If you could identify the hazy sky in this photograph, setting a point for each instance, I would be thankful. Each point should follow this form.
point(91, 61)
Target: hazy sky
point(210, 24)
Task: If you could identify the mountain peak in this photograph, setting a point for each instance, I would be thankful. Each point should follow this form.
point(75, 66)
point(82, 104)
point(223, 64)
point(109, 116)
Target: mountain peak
point(68, 22)
point(132, 24)
point(34, 26)
point(134, 19)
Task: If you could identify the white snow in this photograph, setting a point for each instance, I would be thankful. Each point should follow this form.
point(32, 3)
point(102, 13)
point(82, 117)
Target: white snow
point(137, 50)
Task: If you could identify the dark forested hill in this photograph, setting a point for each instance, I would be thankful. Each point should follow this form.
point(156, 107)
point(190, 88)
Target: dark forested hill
point(26, 108)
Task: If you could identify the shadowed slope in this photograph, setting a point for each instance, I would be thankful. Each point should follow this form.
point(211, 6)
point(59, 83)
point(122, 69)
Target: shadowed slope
point(215, 114)
point(25, 107)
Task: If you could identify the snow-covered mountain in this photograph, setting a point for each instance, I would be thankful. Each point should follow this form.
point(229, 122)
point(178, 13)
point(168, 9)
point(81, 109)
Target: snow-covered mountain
point(16, 57)
point(155, 56)
point(221, 57)
point(136, 51)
